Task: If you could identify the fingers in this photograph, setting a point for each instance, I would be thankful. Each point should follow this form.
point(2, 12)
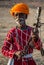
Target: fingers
point(18, 53)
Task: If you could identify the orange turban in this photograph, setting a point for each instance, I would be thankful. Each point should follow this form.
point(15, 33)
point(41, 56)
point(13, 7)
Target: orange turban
point(19, 8)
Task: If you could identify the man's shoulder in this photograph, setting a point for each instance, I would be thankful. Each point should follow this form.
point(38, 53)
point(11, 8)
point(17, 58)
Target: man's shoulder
point(29, 27)
point(12, 30)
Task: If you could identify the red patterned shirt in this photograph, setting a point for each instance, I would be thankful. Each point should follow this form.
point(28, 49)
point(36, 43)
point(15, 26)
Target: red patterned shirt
point(16, 39)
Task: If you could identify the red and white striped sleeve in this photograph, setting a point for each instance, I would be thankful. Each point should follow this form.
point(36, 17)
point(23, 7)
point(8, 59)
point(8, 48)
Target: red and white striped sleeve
point(38, 44)
point(6, 46)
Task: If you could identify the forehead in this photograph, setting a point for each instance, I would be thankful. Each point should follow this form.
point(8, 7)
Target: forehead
point(20, 15)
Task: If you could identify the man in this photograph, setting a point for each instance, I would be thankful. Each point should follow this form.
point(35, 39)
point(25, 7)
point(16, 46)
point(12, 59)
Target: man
point(19, 36)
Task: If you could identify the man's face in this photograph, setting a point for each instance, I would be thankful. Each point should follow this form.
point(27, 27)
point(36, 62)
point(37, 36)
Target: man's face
point(21, 21)
point(20, 18)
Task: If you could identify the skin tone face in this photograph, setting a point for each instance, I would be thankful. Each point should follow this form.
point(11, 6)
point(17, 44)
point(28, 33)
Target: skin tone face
point(20, 18)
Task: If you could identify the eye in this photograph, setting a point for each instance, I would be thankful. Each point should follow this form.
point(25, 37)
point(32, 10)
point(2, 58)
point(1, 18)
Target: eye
point(16, 14)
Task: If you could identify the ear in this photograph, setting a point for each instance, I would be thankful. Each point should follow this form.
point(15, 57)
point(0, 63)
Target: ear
point(13, 13)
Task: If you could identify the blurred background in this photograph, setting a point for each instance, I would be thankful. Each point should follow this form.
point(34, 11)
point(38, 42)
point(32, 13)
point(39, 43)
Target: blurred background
point(7, 22)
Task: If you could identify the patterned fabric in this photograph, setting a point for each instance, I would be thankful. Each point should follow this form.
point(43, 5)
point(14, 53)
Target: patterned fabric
point(11, 44)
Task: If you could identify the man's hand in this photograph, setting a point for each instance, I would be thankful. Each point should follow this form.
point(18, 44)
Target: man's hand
point(35, 37)
point(18, 54)
point(35, 34)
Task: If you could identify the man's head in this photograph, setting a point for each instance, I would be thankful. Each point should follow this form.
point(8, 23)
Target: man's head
point(20, 18)
point(20, 11)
